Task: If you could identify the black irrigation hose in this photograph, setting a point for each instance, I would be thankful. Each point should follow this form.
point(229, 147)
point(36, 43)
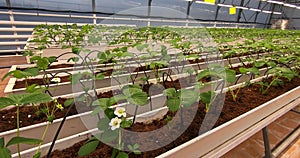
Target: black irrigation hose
point(3, 67)
point(168, 75)
point(134, 116)
point(52, 76)
point(58, 131)
point(164, 81)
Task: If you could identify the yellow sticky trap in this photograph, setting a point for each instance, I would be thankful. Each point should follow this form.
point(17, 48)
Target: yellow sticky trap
point(210, 1)
point(232, 10)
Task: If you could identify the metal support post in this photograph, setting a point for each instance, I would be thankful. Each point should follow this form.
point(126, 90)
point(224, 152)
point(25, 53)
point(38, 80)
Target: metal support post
point(94, 12)
point(149, 12)
point(188, 12)
point(266, 143)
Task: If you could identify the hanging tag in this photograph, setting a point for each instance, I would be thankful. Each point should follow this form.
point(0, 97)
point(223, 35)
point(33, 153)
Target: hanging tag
point(210, 1)
point(232, 10)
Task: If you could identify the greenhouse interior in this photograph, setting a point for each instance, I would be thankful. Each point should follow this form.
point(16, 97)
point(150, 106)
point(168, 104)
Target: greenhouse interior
point(150, 78)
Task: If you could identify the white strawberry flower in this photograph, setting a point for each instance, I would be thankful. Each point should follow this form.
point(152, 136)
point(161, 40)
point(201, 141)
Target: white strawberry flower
point(55, 80)
point(115, 123)
point(120, 112)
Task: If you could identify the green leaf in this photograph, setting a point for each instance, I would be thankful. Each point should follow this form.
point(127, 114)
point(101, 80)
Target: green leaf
point(122, 155)
point(75, 50)
point(203, 74)
point(119, 97)
point(52, 59)
point(273, 70)
point(259, 63)
point(170, 92)
point(50, 118)
point(126, 123)
point(188, 97)
point(104, 103)
point(127, 54)
point(271, 63)
point(109, 135)
point(37, 155)
point(23, 140)
point(5, 153)
point(35, 98)
point(130, 147)
point(7, 74)
point(254, 70)
point(277, 82)
point(283, 60)
point(17, 98)
point(114, 153)
point(243, 70)
point(68, 102)
point(192, 56)
point(136, 146)
point(4, 102)
point(18, 74)
point(109, 113)
point(35, 58)
point(1, 142)
point(139, 98)
point(88, 148)
point(230, 76)
point(42, 63)
point(137, 152)
point(130, 91)
point(99, 76)
point(75, 78)
point(141, 47)
point(173, 104)
point(103, 124)
point(97, 110)
point(74, 59)
point(206, 97)
point(31, 88)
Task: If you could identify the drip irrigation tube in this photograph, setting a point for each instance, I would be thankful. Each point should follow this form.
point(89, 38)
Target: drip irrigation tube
point(3, 67)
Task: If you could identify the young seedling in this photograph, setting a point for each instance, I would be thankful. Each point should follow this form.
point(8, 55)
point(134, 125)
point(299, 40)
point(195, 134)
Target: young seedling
point(215, 70)
point(207, 98)
point(253, 71)
point(19, 100)
point(278, 73)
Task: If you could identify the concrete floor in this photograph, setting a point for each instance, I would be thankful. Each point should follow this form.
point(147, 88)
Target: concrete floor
point(277, 131)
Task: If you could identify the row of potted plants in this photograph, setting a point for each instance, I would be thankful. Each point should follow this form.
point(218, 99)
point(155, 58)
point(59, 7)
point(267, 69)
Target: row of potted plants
point(280, 66)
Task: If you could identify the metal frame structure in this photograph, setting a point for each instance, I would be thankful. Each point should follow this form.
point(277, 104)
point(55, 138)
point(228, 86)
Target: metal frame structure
point(17, 28)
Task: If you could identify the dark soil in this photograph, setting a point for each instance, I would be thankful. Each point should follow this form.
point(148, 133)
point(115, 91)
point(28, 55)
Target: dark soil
point(8, 117)
point(249, 98)
point(60, 66)
point(39, 81)
point(32, 115)
point(53, 66)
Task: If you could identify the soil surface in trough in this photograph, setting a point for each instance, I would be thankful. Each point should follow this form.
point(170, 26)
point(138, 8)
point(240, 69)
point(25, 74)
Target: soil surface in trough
point(30, 115)
point(249, 98)
point(40, 81)
point(54, 66)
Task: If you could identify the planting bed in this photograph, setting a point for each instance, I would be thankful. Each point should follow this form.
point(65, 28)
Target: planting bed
point(251, 99)
point(178, 77)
